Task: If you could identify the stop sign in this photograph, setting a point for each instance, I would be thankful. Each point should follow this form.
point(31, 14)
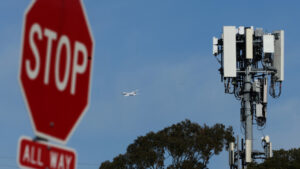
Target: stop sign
point(55, 66)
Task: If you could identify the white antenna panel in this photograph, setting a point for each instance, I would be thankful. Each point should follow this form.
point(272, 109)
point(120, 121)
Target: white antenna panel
point(215, 46)
point(270, 150)
point(268, 43)
point(265, 90)
point(229, 51)
point(231, 153)
point(259, 110)
point(249, 43)
point(215, 41)
point(278, 61)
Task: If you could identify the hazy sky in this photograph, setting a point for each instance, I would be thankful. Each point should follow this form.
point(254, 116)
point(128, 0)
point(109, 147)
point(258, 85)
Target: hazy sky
point(164, 49)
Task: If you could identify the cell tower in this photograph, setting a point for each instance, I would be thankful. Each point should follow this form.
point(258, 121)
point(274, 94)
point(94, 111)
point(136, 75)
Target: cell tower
point(250, 60)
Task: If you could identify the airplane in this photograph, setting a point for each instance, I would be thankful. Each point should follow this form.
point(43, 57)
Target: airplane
point(133, 93)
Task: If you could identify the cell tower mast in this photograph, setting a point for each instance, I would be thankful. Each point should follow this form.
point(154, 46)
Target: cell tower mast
point(250, 59)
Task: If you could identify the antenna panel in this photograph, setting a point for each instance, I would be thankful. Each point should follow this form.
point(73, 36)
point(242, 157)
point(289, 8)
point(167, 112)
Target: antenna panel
point(265, 90)
point(215, 46)
point(249, 43)
point(229, 51)
point(268, 43)
point(259, 110)
point(278, 61)
point(231, 153)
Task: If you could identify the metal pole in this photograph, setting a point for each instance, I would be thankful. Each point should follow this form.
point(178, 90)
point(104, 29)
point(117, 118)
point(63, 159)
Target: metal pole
point(238, 152)
point(249, 78)
point(248, 115)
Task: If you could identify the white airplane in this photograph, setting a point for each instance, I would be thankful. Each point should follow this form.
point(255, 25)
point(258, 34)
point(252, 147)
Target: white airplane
point(133, 93)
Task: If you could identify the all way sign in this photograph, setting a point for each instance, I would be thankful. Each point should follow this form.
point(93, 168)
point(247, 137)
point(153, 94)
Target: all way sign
point(41, 155)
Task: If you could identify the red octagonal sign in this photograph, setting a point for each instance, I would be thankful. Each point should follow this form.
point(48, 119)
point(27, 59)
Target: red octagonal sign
point(55, 67)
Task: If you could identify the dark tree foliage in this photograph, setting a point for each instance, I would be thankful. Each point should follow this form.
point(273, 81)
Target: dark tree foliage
point(184, 145)
point(282, 159)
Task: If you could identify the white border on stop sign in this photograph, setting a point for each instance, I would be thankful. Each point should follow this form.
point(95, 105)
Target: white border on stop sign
point(45, 143)
point(91, 75)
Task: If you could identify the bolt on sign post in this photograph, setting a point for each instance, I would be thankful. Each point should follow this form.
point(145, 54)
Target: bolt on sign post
point(56, 66)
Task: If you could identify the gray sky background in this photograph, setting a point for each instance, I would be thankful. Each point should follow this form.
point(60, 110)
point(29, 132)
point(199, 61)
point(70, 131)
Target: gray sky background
point(163, 48)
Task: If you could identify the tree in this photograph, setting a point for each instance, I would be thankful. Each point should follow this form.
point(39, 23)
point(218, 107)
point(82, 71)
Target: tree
point(184, 145)
point(282, 159)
